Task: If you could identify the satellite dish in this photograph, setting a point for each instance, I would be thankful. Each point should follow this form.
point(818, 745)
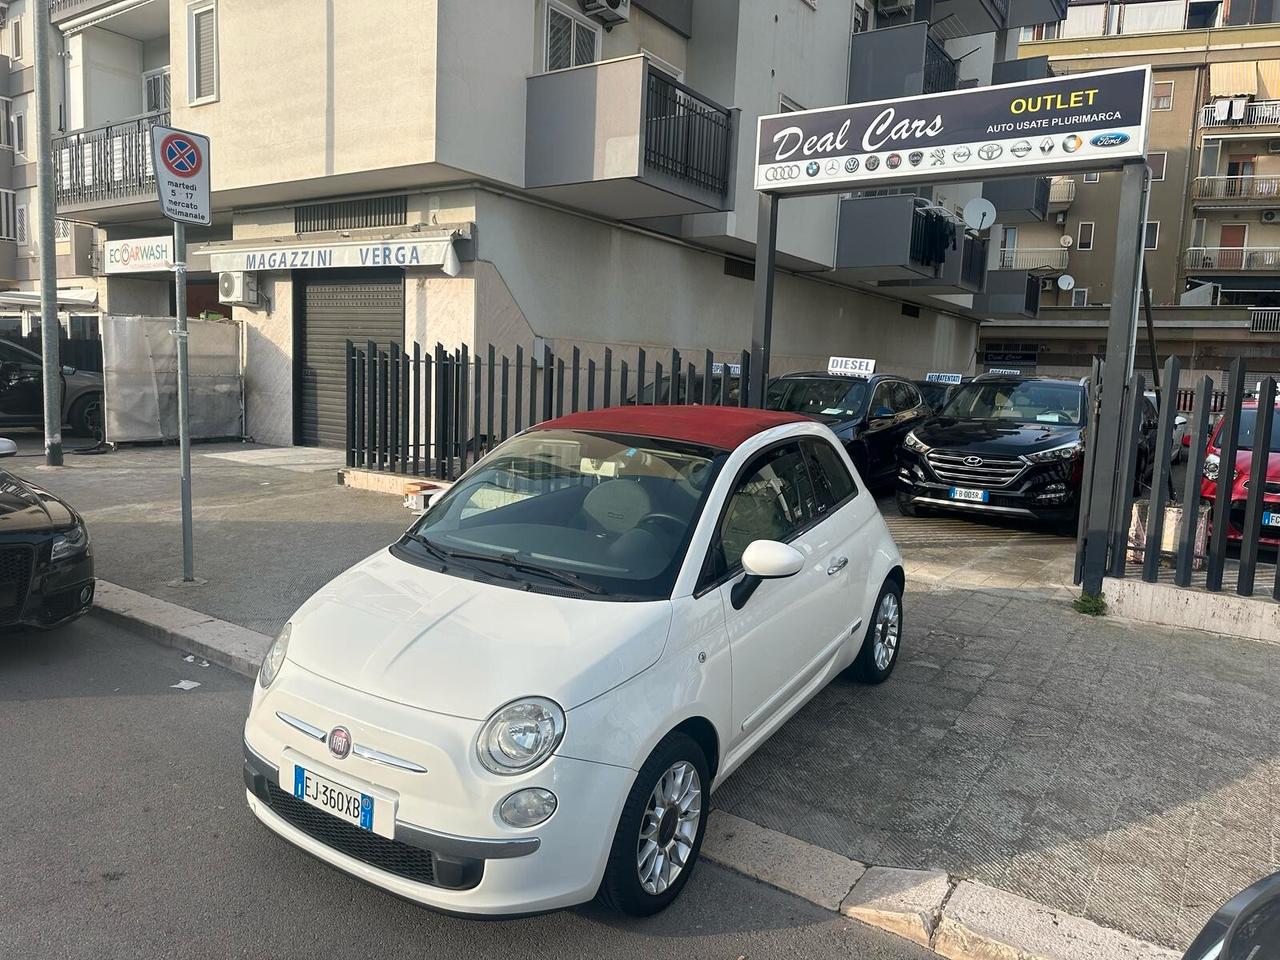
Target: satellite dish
point(1066, 282)
point(979, 213)
point(1065, 240)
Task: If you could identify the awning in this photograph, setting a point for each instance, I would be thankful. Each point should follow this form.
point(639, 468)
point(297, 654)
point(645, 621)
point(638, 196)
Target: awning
point(1269, 79)
point(70, 297)
point(404, 251)
point(1233, 79)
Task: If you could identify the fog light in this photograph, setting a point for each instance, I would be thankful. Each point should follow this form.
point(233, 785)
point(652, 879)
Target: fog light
point(527, 808)
point(86, 593)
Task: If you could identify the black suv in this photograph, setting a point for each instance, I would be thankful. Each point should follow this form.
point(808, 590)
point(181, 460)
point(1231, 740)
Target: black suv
point(1003, 445)
point(870, 415)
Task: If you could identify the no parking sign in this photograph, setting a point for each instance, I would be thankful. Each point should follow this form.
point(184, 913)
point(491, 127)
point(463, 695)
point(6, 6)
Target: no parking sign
point(181, 161)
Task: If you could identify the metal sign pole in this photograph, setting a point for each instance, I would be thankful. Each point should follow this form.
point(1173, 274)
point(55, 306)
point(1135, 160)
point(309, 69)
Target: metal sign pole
point(184, 411)
point(762, 324)
point(50, 327)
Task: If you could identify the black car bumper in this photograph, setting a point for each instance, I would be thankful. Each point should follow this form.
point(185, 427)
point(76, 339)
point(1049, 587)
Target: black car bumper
point(1049, 491)
point(35, 592)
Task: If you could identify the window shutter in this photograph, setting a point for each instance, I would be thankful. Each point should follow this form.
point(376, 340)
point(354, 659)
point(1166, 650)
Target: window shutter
point(559, 40)
point(204, 27)
point(20, 224)
point(584, 45)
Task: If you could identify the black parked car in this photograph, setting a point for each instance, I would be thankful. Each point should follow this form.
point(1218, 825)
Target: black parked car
point(22, 392)
point(1004, 445)
point(870, 414)
point(46, 564)
point(937, 394)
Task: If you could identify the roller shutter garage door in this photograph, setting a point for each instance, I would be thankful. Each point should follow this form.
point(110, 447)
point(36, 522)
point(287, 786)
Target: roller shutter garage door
point(335, 310)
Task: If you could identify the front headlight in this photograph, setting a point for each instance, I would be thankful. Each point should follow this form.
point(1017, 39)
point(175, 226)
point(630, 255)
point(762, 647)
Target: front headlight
point(1068, 451)
point(70, 543)
point(912, 442)
point(274, 659)
point(1213, 467)
point(520, 736)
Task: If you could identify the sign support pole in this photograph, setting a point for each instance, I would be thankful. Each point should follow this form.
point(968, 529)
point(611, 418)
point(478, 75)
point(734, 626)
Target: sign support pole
point(762, 324)
point(1121, 342)
point(184, 409)
point(50, 326)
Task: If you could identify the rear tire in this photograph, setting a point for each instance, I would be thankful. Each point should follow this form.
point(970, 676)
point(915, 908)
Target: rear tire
point(883, 641)
point(86, 416)
point(905, 506)
point(659, 835)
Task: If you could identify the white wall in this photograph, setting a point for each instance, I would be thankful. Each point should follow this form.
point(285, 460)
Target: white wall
point(107, 69)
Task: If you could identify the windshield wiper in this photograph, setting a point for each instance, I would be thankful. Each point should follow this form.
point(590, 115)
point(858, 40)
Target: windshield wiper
point(562, 576)
point(447, 556)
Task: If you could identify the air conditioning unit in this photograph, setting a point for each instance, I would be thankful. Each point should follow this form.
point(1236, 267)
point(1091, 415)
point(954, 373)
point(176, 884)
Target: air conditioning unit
point(1046, 284)
point(1273, 146)
point(1271, 216)
point(237, 286)
point(607, 12)
point(895, 6)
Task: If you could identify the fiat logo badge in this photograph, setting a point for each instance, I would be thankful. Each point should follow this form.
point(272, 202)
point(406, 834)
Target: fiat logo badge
point(340, 742)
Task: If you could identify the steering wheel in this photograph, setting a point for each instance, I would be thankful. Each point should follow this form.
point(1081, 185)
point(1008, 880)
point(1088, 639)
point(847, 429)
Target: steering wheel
point(677, 524)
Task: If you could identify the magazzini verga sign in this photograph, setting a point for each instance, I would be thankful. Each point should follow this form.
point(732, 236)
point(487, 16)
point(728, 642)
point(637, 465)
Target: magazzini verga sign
point(1078, 122)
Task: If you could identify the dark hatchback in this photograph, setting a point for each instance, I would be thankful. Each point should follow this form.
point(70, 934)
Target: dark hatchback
point(870, 415)
point(1009, 446)
point(46, 563)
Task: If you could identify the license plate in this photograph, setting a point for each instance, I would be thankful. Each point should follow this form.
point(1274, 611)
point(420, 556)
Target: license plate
point(968, 494)
point(1271, 519)
point(343, 802)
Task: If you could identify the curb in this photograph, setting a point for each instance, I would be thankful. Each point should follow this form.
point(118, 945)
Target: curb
point(954, 917)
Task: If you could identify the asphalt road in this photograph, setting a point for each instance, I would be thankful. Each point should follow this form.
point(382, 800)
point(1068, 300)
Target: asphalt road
point(128, 836)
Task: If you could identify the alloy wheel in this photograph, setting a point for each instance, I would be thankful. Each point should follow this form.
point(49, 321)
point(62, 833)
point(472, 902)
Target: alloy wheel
point(669, 827)
point(887, 628)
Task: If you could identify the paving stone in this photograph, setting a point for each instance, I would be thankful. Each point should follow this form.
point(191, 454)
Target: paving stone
point(905, 902)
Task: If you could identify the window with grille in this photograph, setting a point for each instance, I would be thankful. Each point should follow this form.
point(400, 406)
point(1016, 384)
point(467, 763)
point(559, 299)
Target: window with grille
point(351, 214)
point(1162, 95)
point(1080, 297)
point(202, 52)
point(20, 224)
point(571, 40)
point(8, 215)
point(62, 229)
point(155, 91)
point(15, 38)
point(861, 19)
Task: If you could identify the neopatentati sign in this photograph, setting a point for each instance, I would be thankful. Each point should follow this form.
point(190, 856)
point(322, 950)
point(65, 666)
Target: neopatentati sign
point(1062, 124)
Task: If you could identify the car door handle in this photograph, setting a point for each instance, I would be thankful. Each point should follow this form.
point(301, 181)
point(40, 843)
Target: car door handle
point(838, 564)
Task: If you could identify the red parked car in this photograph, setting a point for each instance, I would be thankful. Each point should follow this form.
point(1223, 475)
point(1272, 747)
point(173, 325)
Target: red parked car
point(1240, 476)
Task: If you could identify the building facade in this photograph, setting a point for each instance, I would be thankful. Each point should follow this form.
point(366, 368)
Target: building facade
point(421, 171)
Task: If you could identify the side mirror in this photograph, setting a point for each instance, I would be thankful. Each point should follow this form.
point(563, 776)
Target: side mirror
point(435, 498)
point(1179, 421)
point(67, 371)
point(8, 448)
point(1245, 926)
point(764, 560)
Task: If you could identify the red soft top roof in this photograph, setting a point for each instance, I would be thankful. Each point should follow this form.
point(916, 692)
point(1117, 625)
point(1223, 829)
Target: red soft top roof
point(712, 426)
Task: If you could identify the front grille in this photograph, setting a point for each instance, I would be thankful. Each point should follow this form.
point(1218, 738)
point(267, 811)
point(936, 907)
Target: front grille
point(412, 863)
point(15, 580)
point(988, 472)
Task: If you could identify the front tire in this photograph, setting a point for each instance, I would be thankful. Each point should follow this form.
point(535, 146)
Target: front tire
point(879, 653)
point(905, 506)
point(660, 831)
point(86, 416)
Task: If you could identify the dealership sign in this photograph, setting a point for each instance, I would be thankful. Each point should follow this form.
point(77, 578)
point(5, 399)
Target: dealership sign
point(1062, 124)
point(142, 255)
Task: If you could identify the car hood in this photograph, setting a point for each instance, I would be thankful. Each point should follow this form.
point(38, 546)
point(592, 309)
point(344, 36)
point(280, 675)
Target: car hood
point(1244, 466)
point(25, 508)
point(398, 631)
point(995, 437)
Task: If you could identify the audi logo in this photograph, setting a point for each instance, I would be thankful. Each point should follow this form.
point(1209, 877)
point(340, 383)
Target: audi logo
point(790, 171)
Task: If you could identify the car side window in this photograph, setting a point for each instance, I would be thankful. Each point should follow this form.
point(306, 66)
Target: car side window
point(772, 501)
point(907, 395)
point(11, 354)
point(882, 399)
point(831, 478)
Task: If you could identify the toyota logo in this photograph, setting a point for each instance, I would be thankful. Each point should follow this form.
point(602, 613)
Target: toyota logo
point(340, 742)
point(790, 171)
point(973, 461)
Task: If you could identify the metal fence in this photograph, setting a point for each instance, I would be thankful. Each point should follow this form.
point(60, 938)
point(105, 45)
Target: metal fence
point(686, 135)
point(941, 72)
point(1226, 518)
point(81, 354)
point(433, 414)
point(106, 163)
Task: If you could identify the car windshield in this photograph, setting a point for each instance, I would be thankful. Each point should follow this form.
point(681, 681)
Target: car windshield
point(1023, 401)
point(820, 396)
point(603, 515)
point(1248, 427)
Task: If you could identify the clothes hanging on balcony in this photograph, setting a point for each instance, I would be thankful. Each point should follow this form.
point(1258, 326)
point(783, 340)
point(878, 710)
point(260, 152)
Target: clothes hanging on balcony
point(939, 234)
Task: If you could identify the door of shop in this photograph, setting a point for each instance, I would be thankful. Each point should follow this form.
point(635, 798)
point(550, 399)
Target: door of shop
point(335, 308)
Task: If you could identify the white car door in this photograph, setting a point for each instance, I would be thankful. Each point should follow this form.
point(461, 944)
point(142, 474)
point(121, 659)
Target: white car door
point(788, 629)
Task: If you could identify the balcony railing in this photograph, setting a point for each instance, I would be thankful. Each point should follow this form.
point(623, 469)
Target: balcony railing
point(60, 10)
point(940, 71)
point(1264, 320)
point(1063, 190)
point(686, 135)
point(1238, 188)
point(1034, 258)
point(106, 164)
point(1260, 113)
point(1234, 259)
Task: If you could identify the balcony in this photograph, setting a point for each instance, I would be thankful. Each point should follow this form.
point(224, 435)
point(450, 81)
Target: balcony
point(882, 239)
point(624, 140)
point(1236, 191)
point(107, 170)
point(940, 71)
point(1232, 259)
point(1264, 320)
point(899, 61)
point(1042, 261)
point(1029, 13)
point(970, 17)
point(1062, 193)
point(1259, 113)
point(1009, 295)
point(1024, 200)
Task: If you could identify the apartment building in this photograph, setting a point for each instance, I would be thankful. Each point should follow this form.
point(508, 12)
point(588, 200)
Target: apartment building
point(517, 171)
point(1212, 233)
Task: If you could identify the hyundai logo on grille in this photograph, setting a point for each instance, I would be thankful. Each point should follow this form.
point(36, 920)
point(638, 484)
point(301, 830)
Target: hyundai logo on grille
point(973, 461)
point(1110, 139)
point(340, 742)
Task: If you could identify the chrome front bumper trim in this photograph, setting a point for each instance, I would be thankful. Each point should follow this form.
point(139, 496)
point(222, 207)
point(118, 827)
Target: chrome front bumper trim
point(978, 507)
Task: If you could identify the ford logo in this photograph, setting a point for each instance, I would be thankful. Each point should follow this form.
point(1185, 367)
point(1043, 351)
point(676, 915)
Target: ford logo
point(340, 742)
point(973, 461)
point(1110, 139)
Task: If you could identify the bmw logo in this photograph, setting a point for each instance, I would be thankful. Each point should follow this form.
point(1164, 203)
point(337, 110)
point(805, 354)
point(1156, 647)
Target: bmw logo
point(851, 165)
point(1110, 139)
point(989, 151)
point(813, 168)
point(873, 163)
point(1020, 149)
point(1072, 143)
point(914, 157)
point(961, 154)
point(893, 161)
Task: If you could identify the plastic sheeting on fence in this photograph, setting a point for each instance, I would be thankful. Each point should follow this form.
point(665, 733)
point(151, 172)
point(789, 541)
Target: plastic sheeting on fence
point(140, 376)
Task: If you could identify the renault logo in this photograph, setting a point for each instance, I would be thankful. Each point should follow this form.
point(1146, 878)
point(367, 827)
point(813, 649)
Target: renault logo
point(973, 461)
point(789, 171)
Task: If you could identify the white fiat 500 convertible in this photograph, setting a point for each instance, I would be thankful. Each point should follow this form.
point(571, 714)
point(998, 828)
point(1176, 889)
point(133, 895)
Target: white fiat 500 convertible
point(526, 701)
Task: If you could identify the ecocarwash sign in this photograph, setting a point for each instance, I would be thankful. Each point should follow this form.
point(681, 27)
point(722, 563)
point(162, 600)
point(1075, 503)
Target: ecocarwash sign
point(1078, 122)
